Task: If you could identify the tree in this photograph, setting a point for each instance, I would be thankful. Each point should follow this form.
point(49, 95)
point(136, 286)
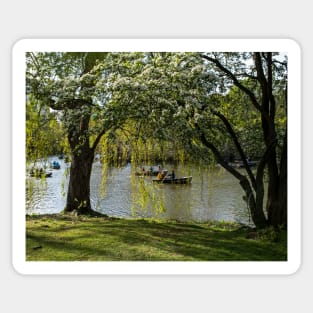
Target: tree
point(44, 134)
point(78, 86)
point(269, 76)
point(192, 95)
point(202, 101)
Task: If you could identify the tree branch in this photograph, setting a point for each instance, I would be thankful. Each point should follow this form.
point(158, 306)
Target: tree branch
point(238, 84)
point(217, 155)
point(235, 80)
point(68, 104)
point(238, 146)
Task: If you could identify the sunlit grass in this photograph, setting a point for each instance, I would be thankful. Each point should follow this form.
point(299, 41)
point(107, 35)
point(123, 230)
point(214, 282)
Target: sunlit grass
point(70, 238)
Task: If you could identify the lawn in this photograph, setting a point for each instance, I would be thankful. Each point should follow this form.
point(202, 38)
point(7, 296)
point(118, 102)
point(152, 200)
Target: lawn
point(77, 238)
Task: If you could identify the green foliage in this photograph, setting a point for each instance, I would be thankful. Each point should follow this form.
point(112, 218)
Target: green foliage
point(145, 194)
point(44, 133)
point(160, 97)
point(153, 106)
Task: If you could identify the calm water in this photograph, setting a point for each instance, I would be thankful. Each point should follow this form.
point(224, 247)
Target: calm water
point(212, 195)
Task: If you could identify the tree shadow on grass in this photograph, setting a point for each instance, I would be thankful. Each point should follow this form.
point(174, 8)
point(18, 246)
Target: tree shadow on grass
point(121, 240)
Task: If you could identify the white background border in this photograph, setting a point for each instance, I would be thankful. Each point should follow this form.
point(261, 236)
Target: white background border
point(162, 19)
point(195, 268)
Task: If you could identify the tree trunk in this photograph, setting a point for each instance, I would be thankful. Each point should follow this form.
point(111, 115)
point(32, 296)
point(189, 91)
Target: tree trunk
point(78, 196)
point(279, 207)
point(256, 211)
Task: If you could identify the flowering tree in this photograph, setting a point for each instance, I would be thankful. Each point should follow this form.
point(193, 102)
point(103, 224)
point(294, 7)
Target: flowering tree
point(204, 100)
point(201, 101)
point(79, 87)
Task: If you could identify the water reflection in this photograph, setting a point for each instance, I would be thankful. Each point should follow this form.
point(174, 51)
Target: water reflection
point(212, 195)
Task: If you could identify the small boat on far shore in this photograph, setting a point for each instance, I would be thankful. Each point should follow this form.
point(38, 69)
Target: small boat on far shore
point(168, 180)
point(240, 164)
point(250, 164)
point(55, 165)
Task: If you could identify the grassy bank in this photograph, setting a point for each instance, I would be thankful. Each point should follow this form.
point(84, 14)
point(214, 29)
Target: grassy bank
point(70, 238)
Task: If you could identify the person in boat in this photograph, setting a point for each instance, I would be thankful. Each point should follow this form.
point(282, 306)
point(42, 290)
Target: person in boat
point(172, 175)
point(160, 175)
point(143, 170)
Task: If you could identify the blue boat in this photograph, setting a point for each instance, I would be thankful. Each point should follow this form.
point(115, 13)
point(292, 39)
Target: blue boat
point(55, 165)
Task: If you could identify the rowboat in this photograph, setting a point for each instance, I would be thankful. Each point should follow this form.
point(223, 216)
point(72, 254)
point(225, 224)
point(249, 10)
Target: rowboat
point(40, 175)
point(241, 164)
point(150, 173)
point(250, 163)
point(55, 165)
point(181, 180)
point(147, 173)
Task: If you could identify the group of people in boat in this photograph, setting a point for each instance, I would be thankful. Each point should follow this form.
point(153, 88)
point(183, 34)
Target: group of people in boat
point(149, 172)
point(36, 171)
point(41, 171)
point(161, 173)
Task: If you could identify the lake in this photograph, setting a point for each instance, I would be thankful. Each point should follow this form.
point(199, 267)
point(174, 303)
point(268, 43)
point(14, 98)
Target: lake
point(213, 194)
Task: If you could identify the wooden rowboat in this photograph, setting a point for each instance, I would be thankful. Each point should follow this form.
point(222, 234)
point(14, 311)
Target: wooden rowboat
point(181, 180)
point(149, 173)
point(40, 175)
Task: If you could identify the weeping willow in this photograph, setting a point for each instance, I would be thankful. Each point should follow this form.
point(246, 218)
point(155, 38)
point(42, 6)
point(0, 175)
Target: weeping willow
point(120, 147)
point(128, 145)
point(44, 133)
point(113, 149)
point(146, 196)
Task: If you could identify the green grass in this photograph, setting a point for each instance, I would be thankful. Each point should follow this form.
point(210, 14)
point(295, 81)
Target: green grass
point(78, 238)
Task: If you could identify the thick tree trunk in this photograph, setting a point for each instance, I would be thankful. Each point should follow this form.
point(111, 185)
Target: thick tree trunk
point(256, 211)
point(281, 217)
point(78, 196)
point(278, 209)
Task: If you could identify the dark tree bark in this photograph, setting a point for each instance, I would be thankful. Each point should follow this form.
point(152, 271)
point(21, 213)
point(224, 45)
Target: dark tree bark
point(82, 154)
point(279, 212)
point(78, 196)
